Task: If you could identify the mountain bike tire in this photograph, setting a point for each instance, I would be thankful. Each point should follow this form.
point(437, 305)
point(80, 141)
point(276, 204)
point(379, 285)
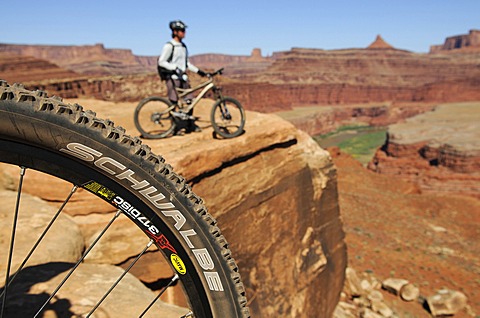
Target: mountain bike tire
point(152, 118)
point(45, 134)
point(228, 127)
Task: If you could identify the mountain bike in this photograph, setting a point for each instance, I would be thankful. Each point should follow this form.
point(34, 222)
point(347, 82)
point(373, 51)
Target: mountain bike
point(157, 117)
point(43, 134)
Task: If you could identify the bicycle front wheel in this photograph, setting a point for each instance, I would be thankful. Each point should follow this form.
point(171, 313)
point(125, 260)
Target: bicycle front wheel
point(153, 119)
point(42, 134)
point(228, 117)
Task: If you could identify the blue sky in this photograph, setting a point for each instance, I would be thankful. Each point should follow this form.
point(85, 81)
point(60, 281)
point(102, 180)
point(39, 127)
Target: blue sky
point(236, 27)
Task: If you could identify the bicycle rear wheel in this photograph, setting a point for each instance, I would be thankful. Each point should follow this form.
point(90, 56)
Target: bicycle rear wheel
point(64, 141)
point(153, 119)
point(228, 117)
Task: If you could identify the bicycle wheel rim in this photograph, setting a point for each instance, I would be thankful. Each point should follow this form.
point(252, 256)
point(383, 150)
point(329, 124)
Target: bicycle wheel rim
point(24, 144)
point(152, 118)
point(21, 155)
point(228, 118)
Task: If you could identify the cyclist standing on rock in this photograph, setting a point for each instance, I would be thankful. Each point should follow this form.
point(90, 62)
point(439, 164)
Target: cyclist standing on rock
point(173, 64)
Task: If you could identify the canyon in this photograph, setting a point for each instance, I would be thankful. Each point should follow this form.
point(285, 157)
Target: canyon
point(293, 258)
point(419, 173)
point(298, 77)
point(439, 151)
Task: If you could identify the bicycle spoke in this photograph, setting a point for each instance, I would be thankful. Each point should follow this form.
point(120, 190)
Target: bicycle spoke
point(12, 239)
point(174, 279)
point(74, 189)
point(32, 276)
point(78, 263)
point(120, 278)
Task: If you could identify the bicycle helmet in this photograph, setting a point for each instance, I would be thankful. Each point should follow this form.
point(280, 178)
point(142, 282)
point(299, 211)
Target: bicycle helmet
point(177, 25)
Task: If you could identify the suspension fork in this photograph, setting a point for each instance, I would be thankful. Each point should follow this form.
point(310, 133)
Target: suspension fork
point(223, 106)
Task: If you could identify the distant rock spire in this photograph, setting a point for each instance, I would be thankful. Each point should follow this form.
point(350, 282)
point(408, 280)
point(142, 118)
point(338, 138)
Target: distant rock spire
point(379, 43)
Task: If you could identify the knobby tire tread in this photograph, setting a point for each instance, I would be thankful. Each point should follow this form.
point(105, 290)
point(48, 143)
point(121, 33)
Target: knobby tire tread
point(138, 124)
point(240, 108)
point(107, 133)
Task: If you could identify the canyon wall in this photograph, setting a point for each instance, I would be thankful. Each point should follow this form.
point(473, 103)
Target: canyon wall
point(470, 41)
point(322, 120)
point(19, 68)
point(86, 59)
point(318, 77)
point(98, 60)
point(273, 191)
point(297, 77)
point(268, 97)
point(439, 151)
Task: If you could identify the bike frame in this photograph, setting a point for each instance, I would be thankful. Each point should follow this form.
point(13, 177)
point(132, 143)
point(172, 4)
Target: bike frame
point(182, 92)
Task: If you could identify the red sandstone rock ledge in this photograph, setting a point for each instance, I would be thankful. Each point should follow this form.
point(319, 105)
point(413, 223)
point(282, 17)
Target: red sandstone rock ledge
point(273, 191)
point(439, 150)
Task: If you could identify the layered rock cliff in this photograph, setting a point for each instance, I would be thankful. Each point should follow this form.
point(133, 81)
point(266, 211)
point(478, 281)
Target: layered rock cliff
point(322, 120)
point(273, 191)
point(298, 77)
point(470, 41)
point(318, 77)
point(86, 59)
point(439, 151)
point(98, 60)
point(19, 68)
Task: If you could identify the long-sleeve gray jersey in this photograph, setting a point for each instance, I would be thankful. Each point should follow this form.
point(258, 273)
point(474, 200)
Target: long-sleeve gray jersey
point(179, 58)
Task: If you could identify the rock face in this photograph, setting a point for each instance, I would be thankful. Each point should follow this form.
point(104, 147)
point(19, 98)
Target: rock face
point(273, 191)
point(87, 59)
point(82, 292)
point(98, 60)
point(392, 230)
point(234, 64)
point(66, 249)
point(299, 77)
point(439, 150)
point(322, 120)
point(470, 41)
point(365, 296)
point(16, 68)
point(379, 43)
point(317, 77)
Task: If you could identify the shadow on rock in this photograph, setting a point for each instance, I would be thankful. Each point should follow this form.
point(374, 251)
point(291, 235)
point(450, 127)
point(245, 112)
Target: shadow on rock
point(22, 299)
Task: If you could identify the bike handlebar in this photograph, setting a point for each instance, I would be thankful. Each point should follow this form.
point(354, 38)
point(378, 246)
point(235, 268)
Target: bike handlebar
point(217, 72)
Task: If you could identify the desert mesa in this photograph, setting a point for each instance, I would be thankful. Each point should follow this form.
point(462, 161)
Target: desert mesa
point(410, 212)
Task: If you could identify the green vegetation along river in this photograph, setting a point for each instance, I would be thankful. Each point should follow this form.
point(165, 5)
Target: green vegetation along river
point(359, 141)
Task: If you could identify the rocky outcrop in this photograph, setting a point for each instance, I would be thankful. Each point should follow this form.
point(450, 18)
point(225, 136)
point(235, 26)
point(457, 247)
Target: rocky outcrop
point(379, 43)
point(439, 151)
point(394, 231)
point(86, 59)
point(298, 77)
point(67, 249)
point(470, 41)
point(98, 60)
point(273, 191)
point(234, 64)
point(50, 263)
point(317, 77)
point(365, 296)
point(322, 120)
point(16, 68)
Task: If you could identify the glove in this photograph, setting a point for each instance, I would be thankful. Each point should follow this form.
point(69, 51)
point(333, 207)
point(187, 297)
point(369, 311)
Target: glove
point(179, 72)
point(201, 73)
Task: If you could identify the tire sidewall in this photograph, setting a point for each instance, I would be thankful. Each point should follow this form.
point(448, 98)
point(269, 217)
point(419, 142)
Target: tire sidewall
point(37, 128)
